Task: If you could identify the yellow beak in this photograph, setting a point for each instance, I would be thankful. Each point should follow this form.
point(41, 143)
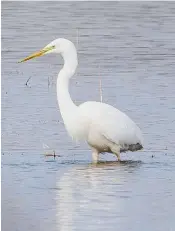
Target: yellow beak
point(37, 54)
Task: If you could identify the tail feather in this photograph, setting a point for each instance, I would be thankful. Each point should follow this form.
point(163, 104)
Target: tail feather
point(131, 147)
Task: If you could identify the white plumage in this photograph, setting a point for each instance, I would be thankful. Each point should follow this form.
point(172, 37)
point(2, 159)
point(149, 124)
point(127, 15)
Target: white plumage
point(105, 128)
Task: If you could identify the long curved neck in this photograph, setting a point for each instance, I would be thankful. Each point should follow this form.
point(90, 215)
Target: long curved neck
point(66, 105)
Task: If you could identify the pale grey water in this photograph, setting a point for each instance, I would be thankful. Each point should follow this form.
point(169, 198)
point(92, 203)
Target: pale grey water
point(131, 47)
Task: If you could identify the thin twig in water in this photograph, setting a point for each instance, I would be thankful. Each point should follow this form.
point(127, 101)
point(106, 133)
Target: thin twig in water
point(48, 82)
point(28, 81)
point(77, 39)
point(54, 155)
point(101, 96)
point(49, 152)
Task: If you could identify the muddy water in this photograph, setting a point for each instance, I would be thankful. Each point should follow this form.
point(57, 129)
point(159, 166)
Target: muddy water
point(130, 47)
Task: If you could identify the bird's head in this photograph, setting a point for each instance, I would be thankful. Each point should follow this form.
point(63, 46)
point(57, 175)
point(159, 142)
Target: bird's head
point(59, 46)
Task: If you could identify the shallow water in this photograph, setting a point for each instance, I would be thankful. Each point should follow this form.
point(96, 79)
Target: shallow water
point(130, 47)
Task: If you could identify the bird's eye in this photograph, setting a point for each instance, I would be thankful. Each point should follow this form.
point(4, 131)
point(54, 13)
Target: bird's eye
point(53, 46)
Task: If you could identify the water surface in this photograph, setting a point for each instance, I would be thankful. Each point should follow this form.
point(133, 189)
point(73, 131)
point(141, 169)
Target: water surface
point(131, 48)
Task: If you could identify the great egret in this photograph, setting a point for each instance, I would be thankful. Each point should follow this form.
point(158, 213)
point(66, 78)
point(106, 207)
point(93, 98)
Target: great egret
point(105, 128)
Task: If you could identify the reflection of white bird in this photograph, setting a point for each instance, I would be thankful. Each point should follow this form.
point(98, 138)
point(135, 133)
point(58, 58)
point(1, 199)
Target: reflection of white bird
point(105, 128)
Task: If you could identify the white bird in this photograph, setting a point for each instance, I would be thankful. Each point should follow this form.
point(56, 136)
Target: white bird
point(105, 128)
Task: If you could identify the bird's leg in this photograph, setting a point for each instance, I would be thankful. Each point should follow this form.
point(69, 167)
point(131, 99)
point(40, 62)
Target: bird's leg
point(116, 150)
point(95, 155)
point(118, 156)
